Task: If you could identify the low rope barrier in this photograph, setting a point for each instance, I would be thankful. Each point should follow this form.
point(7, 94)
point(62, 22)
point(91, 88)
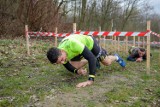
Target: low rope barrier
point(154, 42)
point(41, 33)
point(153, 33)
point(93, 33)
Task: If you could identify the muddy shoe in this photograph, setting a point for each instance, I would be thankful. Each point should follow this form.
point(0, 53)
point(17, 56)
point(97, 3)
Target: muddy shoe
point(120, 61)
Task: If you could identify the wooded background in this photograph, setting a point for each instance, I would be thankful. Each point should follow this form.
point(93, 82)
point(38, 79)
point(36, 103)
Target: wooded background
point(45, 15)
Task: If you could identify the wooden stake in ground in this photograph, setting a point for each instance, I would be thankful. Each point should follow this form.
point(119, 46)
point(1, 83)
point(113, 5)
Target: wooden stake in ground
point(27, 39)
point(134, 41)
point(115, 44)
point(74, 27)
point(99, 36)
point(126, 44)
point(138, 41)
point(143, 42)
point(55, 41)
point(148, 48)
point(118, 45)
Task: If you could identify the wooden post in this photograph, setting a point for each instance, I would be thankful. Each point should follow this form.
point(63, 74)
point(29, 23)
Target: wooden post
point(126, 44)
point(112, 37)
point(143, 42)
point(74, 28)
point(138, 41)
point(134, 39)
point(148, 48)
point(27, 39)
point(104, 42)
point(115, 43)
point(118, 44)
point(55, 42)
point(99, 36)
point(112, 28)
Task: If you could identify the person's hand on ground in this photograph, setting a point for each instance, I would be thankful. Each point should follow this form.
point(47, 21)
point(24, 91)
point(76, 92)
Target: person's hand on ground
point(139, 59)
point(84, 84)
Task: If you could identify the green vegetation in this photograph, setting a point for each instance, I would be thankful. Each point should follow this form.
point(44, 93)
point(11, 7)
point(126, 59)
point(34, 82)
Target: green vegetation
point(30, 80)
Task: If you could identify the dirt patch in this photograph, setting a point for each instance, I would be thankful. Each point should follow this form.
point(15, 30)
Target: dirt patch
point(94, 94)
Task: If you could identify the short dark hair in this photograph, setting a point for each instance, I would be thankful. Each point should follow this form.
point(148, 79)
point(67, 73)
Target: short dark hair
point(142, 50)
point(53, 54)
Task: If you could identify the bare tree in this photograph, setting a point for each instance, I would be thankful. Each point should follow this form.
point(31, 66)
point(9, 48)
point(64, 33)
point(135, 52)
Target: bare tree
point(83, 12)
point(7, 16)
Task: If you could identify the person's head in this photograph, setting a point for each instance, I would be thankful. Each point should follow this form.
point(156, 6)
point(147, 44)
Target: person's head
point(56, 55)
point(141, 52)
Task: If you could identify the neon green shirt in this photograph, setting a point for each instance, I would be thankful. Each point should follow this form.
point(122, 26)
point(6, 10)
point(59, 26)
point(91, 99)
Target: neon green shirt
point(74, 45)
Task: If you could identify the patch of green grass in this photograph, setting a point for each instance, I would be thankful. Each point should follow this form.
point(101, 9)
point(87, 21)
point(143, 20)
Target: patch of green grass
point(5, 103)
point(146, 77)
point(157, 92)
point(157, 76)
point(139, 103)
point(90, 103)
point(135, 93)
point(118, 94)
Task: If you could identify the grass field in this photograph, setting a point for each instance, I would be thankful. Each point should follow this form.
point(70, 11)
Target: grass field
point(31, 81)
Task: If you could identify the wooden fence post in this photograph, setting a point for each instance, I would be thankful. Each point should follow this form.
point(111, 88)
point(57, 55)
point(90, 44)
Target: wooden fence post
point(27, 39)
point(143, 42)
point(134, 41)
point(138, 41)
point(118, 44)
point(74, 28)
point(115, 43)
point(126, 44)
point(55, 41)
point(148, 48)
point(99, 36)
point(112, 28)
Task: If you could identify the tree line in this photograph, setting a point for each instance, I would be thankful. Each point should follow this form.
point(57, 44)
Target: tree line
point(45, 15)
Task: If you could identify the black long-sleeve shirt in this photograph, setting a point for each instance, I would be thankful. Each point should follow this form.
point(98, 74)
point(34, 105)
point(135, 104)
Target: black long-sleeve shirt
point(88, 55)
